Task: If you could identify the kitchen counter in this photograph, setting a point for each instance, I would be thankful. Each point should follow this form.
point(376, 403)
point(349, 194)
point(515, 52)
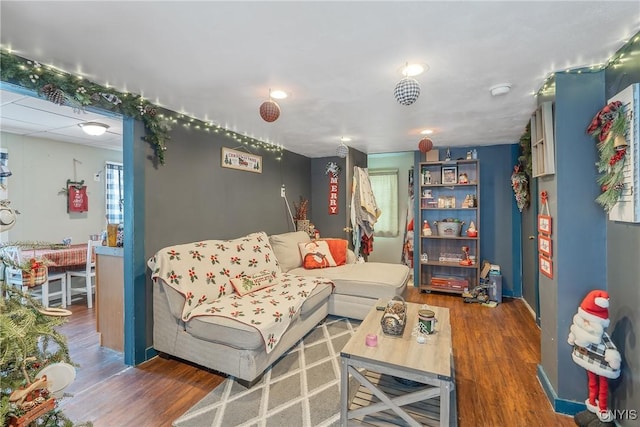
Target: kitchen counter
point(110, 296)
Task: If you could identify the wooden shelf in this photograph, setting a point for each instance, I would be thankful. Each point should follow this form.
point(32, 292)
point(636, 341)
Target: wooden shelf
point(435, 246)
point(448, 264)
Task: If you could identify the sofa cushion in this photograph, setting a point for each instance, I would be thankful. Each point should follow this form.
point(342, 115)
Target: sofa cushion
point(369, 279)
point(239, 335)
point(285, 247)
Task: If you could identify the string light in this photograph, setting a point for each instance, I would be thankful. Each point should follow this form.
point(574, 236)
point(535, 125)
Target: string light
point(616, 60)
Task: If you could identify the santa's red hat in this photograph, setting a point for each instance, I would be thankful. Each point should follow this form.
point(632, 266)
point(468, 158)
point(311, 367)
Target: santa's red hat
point(595, 307)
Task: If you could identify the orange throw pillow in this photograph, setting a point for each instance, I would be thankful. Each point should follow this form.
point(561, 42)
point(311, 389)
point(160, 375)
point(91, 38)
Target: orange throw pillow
point(338, 249)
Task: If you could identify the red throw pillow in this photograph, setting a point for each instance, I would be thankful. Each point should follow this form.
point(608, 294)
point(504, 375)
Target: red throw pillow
point(338, 249)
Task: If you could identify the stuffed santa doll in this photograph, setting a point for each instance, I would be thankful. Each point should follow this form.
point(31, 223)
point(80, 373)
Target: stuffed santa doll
point(594, 351)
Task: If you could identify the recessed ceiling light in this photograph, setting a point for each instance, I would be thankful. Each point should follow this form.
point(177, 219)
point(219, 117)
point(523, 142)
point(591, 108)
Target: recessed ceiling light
point(278, 94)
point(427, 132)
point(345, 139)
point(410, 70)
point(94, 128)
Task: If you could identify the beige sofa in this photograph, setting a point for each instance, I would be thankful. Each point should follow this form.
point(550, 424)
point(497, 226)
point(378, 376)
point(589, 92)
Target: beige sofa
point(238, 349)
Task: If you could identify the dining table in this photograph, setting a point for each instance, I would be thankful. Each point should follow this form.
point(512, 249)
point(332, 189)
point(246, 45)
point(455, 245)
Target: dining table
point(60, 259)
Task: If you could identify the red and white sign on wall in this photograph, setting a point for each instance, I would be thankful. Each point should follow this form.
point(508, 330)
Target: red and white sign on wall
point(333, 170)
point(78, 200)
point(333, 195)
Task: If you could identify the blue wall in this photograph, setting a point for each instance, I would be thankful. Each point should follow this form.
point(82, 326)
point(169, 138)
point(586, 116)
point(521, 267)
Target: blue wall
point(499, 216)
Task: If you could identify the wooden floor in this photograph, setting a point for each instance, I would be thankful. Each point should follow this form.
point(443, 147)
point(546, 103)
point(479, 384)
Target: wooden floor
point(496, 351)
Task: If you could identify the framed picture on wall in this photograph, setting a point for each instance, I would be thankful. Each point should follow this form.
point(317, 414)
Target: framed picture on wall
point(544, 245)
point(546, 266)
point(450, 175)
point(544, 224)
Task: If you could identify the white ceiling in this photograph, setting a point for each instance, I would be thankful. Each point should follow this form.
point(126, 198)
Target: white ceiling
point(216, 61)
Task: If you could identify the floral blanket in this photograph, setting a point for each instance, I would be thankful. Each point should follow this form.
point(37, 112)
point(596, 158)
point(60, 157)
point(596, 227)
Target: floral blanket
point(202, 272)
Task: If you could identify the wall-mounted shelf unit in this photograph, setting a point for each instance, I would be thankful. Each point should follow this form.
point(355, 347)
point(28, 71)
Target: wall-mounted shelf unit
point(542, 141)
point(448, 190)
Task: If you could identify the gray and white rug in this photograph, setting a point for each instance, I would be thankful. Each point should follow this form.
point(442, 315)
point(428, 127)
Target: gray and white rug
point(300, 389)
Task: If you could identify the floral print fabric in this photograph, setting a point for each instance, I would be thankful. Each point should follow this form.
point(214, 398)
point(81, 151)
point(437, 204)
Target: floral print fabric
point(202, 272)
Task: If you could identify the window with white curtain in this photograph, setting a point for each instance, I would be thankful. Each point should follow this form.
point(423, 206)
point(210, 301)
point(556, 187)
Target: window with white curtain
point(114, 193)
point(384, 183)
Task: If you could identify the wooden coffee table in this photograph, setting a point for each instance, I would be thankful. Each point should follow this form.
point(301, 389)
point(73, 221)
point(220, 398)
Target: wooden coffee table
point(403, 357)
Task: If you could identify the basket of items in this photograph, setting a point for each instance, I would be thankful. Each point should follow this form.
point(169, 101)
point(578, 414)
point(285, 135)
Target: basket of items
point(449, 227)
point(394, 317)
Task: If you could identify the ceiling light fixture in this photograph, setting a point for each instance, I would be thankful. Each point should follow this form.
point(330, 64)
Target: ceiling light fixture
point(500, 89)
point(410, 70)
point(94, 128)
point(279, 94)
point(427, 132)
point(345, 139)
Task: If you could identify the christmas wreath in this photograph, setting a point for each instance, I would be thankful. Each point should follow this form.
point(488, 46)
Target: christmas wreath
point(609, 126)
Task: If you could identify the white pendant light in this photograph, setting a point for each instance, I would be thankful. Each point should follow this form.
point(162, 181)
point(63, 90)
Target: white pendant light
point(94, 128)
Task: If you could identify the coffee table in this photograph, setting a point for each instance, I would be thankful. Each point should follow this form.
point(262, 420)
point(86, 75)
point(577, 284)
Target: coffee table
point(403, 357)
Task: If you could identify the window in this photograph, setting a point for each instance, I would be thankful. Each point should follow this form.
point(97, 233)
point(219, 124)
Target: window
point(114, 193)
point(384, 183)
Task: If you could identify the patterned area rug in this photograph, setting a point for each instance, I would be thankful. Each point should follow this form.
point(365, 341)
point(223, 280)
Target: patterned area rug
point(301, 389)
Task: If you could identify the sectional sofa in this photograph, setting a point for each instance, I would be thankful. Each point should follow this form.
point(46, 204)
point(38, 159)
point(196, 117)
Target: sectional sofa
point(200, 317)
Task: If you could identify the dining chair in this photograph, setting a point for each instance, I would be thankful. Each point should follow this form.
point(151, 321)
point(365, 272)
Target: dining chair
point(88, 273)
point(13, 277)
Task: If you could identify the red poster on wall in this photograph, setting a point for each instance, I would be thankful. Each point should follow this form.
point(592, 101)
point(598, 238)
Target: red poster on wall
point(78, 200)
point(333, 195)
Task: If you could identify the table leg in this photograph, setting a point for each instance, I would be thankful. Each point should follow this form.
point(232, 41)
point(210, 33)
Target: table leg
point(344, 390)
point(445, 402)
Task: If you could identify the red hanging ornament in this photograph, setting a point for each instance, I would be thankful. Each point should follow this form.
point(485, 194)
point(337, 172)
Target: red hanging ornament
point(425, 145)
point(269, 111)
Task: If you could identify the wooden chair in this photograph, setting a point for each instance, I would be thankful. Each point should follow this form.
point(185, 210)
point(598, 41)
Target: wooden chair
point(88, 273)
point(13, 277)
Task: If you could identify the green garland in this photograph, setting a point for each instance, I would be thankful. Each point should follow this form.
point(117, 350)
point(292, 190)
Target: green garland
point(64, 89)
point(610, 124)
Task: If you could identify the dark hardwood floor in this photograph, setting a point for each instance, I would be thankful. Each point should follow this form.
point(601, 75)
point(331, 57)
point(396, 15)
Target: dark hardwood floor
point(496, 351)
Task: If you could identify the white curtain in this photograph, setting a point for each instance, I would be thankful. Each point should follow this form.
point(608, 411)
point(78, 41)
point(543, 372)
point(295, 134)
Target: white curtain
point(384, 184)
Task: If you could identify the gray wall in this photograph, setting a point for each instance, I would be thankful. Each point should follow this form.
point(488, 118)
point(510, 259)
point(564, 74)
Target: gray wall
point(193, 198)
point(333, 225)
point(623, 274)
point(590, 252)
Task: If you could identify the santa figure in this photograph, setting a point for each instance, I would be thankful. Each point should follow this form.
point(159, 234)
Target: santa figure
point(595, 352)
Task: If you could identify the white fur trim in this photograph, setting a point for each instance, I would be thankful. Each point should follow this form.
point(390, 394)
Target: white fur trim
point(601, 302)
point(595, 368)
point(571, 339)
point(612, 357)
point(593, 318)
point(594, 328)
point(592, 408)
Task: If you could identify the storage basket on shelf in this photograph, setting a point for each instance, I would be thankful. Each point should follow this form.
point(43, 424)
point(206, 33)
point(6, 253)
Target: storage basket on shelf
point(449, 227)
point(394, 317)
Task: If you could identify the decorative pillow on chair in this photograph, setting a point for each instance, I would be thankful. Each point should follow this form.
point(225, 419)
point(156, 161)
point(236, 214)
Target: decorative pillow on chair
point(247, 284)
point(316, 254)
